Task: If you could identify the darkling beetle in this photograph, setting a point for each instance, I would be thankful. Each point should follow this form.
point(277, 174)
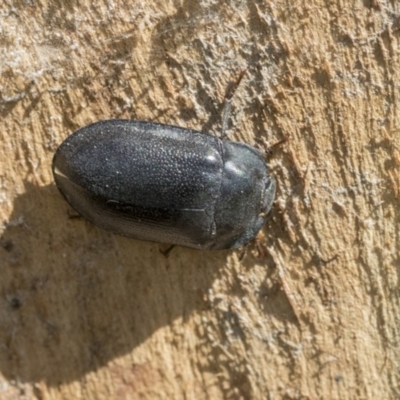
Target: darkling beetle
point(165, 183)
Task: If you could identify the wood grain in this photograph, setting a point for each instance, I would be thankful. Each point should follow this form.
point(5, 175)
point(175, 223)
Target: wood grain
point(312, 310)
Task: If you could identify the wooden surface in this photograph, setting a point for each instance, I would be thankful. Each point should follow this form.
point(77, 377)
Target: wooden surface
point(312, 310)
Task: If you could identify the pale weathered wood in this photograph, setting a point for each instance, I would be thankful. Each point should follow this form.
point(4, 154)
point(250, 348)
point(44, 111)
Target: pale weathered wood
point(312, 312)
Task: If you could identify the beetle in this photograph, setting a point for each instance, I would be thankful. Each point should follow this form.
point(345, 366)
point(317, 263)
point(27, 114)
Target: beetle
point(165, 183)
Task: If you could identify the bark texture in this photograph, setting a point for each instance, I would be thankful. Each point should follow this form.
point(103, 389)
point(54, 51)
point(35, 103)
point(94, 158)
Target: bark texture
point(312, 310)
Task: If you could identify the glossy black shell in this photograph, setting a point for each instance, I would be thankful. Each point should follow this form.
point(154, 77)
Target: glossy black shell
point(165, 183)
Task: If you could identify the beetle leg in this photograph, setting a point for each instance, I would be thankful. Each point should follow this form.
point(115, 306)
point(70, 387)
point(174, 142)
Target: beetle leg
point(167, 251)
point(242, 251)
point(228, 101)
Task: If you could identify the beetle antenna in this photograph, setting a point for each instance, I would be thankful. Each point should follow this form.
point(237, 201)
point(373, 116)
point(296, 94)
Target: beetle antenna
point(228, 101)
point(269, 149)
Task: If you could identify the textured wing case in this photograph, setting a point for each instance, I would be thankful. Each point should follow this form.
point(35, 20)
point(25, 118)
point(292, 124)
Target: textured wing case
point(143, 180)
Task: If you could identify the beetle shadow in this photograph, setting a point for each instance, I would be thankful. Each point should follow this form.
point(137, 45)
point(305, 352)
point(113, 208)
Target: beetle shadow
point(74, 297)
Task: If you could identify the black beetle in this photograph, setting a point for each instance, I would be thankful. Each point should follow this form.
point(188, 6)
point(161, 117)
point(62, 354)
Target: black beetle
point(165, 183)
